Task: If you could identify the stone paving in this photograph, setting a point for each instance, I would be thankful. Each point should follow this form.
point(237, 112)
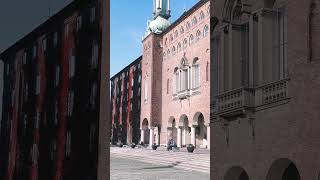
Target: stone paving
point(143, 163)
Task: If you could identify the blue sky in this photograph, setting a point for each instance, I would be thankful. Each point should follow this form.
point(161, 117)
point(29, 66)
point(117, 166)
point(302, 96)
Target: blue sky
point(128, 21)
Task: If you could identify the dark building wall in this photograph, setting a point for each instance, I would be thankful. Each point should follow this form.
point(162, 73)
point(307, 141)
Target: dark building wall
point(125, 104)
point(49, 127)
point(270, 141)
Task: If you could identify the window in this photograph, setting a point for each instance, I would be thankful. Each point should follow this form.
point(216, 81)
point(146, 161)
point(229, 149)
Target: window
point(168, 52)
point(68, 144)
point(195, 74)
point(94, 57)
point(92, 137)
point(34, 55)
point(194, 21)
point(191, 39)
point(35, 154)
point(176, 33)
point(202, 16)
point(171, 37)
point(198, 35)
point(37, 120)
point(66, 30)
point(168, 86)
point(56, 113)
point(132, 82)
point(70, 103)
point(185, 43)
point(93, 95)
point(72, 64)
point(179, 47)
point(173, 50)
point(188, 25)
point(205, 31)
point(57, 79)
point(165, 41)
point(207, 72)
point(79, 22)
point(44, 44)
point(146, 92)
point(55, 39)
point(93, 14)
point(37, 80)
point(24, 58)
point(181, 30)
point(139, 79)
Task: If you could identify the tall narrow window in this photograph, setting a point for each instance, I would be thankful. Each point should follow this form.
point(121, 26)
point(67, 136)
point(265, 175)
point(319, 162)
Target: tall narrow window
point(196, 74)
point(55, 39)
point(70, 103)
point(191, 39)
point(145, 91)
point(72, 64)
point(205, 31)
point(57, 79)
point(185, 43)
point(179, 47)
point(202, 16)
point(198, 35)
point(68, 144)
point(37, 92)
point(34, 55)
point(44, 44)
point(167, 86)
point(93, 14)
point(207, 72)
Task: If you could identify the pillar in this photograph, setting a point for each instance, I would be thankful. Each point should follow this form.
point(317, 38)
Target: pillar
point(208, 136)
point(151, 137)
point(142, 136)
point(183, 136)
point(179, 137)
point(193, 136)
point(157, 136)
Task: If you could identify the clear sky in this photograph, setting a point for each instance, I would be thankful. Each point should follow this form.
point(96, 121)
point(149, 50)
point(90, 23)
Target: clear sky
point(128, 23)
point(18, 18)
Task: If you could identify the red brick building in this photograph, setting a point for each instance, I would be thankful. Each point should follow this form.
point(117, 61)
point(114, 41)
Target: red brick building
point(176, 77)
point(265, 66)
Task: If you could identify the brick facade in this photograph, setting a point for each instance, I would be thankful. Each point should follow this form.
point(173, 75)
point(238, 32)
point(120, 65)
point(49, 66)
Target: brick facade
point(276, 141)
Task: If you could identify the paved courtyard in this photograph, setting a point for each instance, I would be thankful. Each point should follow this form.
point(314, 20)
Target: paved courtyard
point(147, 164)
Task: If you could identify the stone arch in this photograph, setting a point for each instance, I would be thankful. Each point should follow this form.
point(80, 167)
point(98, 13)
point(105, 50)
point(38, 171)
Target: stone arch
point(200, 129)
point(283, 169)
point(146, 131)
point(233, 9)
point(236, 173)
point(172, 129)
point(185, 130)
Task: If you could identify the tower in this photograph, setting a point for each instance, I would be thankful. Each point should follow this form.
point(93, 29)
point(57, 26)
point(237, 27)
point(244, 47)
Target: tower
point(152, 73)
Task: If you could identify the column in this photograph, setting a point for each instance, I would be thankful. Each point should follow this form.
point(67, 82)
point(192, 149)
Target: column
point(142, 136)
point(151, 137)
point(179, 137)
point(193, 136)
point(183, 136)
point(157, 137)
point(208, 136)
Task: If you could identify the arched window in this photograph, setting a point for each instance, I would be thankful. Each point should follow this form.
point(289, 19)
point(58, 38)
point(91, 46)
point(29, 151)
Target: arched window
point(191, 38)
point(179, 47)
point(202, 16)
point(171, 37)
point(208, 10)
point(173, 50)
point(165, 41)
point(205, 30)
point(195, 73)
point(194, 21)
point(185, 43)
point(168, 86)
point(181, 30)
point(188, 25)
point(198, 35)
point(168, 52)
point(176, 33)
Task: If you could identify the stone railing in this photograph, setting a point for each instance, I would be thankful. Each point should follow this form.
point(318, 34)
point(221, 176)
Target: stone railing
point(271, 93)
point(234, 100)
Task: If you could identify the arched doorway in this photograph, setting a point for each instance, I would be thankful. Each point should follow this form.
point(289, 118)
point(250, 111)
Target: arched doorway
point(200, 129)
point(172, 129)
point(186, 130)
point(146, 131)
point(236, 173)
point(283, 169)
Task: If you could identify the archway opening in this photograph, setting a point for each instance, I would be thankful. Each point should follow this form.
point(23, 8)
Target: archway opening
point(186, 130)
point(200, 130)
point(145, 128)
point(283, 169)
point(236, 173)
point(172, 129)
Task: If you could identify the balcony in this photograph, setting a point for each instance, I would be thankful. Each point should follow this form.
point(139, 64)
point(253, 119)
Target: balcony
point(183, 94)
point(271, 94)
point(234, 102)
point(237, 102)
